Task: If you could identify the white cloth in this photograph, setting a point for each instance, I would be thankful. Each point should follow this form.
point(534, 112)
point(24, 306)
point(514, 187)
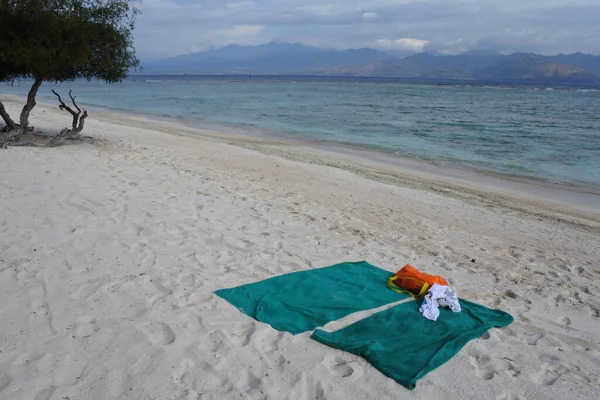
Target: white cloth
point(438, 295)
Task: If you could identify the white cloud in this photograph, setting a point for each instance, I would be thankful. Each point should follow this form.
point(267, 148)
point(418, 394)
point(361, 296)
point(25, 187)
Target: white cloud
point(404, 44)
point(241, 31)
point(369, 15)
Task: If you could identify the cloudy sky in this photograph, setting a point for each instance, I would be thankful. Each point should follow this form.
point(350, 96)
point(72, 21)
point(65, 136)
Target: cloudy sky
point(172, 27)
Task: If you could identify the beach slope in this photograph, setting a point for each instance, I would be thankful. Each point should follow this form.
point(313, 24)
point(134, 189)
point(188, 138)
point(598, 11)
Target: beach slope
point(110, 252)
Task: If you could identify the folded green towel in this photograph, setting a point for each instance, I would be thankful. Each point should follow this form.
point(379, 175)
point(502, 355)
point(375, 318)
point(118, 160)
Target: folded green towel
point(301, 301)
point(405, 346)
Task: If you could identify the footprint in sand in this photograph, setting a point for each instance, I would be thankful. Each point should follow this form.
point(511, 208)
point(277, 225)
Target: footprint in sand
point(594, 312)
point(487, 367)
point(194, 323)
point(523, 305)
point(199, 297)
point(304, 387)
point(559, 300)
point(510, 294)
point(242, 336)
point(86, 326)
point(188, 284)
point(217, 343)
point(85, 291)
point(188, 280)
point(160, 291)
point(158, 333)
point(267, 340)
point(505, 395)
point(552, 370)
point(548, 374)
point(191, 395)
point(532, 338)
point(26, 358)
point(37, 290)
point(199, 374)
point(70, 369)
point(4, 381)
point(248, 382)
point(56, 370)
point(583, 272)
point(340, 367)
point(40, 320)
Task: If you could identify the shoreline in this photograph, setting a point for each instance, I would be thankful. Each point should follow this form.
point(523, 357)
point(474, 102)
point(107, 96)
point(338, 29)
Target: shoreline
point(435, 166)
point(442, 169)
point(573, 203)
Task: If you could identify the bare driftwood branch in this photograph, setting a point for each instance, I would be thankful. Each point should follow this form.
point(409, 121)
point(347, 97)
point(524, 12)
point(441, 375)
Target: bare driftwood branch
point(73, 133)
point(78, 117)
point(73, 100)
point(65, 107)
point(82, 120)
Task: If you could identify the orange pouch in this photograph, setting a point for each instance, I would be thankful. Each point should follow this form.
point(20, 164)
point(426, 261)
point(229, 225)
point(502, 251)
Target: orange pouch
point(414, 282)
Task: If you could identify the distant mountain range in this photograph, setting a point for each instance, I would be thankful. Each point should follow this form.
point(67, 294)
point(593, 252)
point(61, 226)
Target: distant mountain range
point(296, 59)
point(271, 58)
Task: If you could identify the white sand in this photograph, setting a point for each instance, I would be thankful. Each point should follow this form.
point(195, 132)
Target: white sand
point(110, 252)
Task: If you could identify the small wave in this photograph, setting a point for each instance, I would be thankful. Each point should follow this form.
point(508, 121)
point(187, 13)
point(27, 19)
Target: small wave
point(153, 80)
point(557, 182)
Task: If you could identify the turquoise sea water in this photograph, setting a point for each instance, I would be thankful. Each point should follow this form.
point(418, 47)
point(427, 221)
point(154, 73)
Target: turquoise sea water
point(536, 132)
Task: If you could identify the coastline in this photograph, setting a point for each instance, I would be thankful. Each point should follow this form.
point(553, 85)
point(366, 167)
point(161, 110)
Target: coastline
point(110, 252)
point(562, 201)
point(482, 151)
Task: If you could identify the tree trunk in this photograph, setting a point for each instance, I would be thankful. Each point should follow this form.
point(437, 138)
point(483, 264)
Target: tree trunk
point(10, 124)
point(24, 120)
point(13, 130)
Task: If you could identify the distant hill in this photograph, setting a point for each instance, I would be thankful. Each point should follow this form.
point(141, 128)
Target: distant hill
point(536, 68)
point(270, 58)
point(288, 59)
point(513, 67)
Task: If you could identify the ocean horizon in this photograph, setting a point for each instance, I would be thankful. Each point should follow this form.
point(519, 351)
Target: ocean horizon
point(533, 131)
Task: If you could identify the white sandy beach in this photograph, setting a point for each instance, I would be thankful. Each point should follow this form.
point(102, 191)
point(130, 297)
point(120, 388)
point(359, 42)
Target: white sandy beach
point(110, 252)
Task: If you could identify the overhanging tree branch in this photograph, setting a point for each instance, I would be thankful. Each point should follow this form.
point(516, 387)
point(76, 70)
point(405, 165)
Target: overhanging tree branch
point(60, 41)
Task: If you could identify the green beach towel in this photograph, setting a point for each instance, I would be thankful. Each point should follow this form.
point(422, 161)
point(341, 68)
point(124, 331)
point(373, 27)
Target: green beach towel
point(301, 301)
point(405, 346)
